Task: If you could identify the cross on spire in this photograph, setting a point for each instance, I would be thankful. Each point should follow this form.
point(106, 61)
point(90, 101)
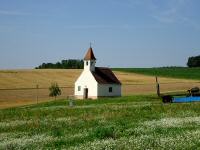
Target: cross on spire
point(90, 44)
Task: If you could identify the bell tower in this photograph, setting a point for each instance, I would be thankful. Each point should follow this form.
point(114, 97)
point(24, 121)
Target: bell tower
point(89, 60)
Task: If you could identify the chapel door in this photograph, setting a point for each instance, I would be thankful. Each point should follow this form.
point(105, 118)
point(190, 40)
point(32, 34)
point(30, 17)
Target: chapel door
point(85, 96)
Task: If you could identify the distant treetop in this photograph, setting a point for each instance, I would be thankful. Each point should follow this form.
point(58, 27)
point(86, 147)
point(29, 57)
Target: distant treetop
point(194, 61)
point(64, 64)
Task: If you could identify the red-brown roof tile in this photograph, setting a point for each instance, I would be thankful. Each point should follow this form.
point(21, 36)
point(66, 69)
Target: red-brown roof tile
point(105, 76)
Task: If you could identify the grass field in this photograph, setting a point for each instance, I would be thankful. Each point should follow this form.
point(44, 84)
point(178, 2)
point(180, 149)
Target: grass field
point(14, 84)
point(133, 122)
point(173, 72)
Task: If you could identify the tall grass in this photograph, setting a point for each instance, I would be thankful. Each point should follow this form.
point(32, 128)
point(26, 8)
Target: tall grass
point(133, 122)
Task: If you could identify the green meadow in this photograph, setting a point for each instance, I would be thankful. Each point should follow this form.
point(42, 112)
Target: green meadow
point(172, 72)
point(133, 122)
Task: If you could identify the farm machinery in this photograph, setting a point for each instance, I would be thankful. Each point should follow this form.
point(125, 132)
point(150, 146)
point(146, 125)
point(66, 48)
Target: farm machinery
point(191, 95)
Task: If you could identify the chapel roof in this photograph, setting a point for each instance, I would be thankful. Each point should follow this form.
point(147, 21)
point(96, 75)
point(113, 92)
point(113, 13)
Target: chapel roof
point(105, 76)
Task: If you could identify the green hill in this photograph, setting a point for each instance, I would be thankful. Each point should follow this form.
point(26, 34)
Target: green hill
point(173, 72)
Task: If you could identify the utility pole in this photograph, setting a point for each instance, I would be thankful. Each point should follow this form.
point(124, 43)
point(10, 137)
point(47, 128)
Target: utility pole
point(157, 87)
point(37, 87)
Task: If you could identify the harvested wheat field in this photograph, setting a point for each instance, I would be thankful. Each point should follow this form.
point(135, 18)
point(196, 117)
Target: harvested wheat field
point(142, 84)
point(18, 87)
point(30, 78)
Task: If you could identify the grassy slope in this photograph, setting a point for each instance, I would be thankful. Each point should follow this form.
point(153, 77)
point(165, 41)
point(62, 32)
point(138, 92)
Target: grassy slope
point(136, 122)
point(174, 72)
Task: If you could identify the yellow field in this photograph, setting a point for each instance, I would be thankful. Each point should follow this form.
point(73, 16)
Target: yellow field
point(30, 78)
point(16, 80)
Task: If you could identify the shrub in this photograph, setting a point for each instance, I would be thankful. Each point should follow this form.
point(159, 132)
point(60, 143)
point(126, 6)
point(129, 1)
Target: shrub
point(54, 90)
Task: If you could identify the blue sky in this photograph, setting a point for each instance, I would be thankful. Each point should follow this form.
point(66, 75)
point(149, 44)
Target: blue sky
point(124, 33)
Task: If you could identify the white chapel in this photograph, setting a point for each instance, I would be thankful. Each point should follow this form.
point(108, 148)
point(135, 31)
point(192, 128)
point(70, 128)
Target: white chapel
point(95, 82)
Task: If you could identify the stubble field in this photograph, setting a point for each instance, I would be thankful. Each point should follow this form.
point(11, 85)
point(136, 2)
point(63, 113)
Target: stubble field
point(17, 87)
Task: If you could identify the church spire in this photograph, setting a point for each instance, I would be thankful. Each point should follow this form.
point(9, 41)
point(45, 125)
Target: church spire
point(90, 54)
point(89, 60)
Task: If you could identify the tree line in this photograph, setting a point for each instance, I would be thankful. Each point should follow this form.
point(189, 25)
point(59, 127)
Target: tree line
point(64, 64)
point(193, 61)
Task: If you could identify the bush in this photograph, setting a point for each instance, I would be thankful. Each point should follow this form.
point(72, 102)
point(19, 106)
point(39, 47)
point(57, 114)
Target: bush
point(54, 90)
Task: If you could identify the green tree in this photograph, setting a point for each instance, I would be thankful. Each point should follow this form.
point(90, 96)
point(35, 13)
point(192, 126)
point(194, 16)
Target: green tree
point(54, 90)
point(64, 64)
point(194, 61)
